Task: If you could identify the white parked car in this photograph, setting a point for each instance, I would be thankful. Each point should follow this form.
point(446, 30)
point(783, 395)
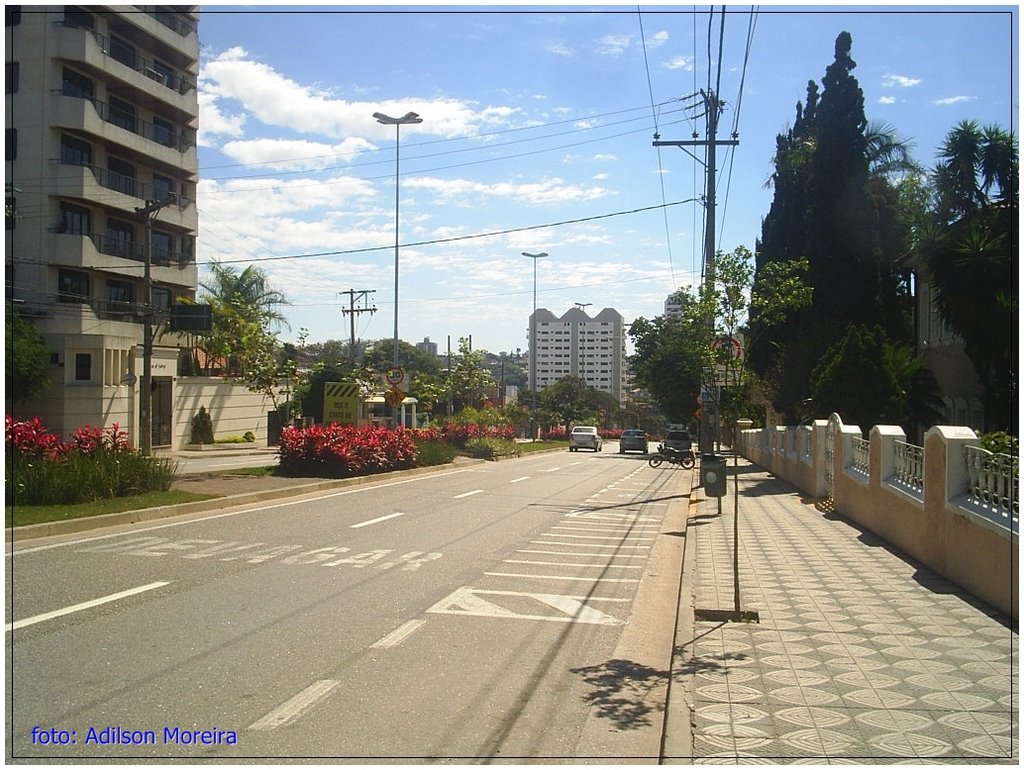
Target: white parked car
point(584, 436)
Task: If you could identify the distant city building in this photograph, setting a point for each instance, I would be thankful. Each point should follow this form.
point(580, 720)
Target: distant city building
point(101, 122)
point(672, 307)
point(593, 349)
point(427, 346)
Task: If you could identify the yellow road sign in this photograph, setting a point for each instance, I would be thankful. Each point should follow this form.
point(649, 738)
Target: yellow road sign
point(341, 403)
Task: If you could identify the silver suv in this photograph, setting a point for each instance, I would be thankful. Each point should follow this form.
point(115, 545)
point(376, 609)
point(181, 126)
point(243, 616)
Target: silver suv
point(584, 436)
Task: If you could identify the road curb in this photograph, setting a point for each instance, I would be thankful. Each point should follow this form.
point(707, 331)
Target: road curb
point(647, 647)
point(53, 528)
point(141, 515)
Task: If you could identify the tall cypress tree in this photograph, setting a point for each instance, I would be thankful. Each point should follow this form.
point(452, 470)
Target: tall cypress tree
point(828, 207)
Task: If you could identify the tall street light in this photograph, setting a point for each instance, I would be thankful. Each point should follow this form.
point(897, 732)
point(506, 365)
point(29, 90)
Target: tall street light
point(533, 347)
point(408, 119)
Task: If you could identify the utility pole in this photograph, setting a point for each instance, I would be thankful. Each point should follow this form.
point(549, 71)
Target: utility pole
point(148, 213)
point(713, 107)
point(352, 312)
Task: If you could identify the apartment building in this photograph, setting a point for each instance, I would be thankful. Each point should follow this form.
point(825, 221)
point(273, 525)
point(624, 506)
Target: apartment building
point(101, 120)
point(593, 349)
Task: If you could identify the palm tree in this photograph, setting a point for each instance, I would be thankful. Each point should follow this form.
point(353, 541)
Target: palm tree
point(888, 153)
point(245, 292)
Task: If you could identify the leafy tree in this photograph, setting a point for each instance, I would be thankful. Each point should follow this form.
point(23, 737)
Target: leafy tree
point(970, 247)
point(838, 203)
point(249, 289)
point(854, 380)
point(27, 358)
point(568, 402)
point(467, 379)
point(380, 357)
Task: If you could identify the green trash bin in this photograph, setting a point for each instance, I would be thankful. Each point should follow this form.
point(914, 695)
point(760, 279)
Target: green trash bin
point(712, 474)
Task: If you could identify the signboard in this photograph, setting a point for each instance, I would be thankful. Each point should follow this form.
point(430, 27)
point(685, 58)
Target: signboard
point(394, 397)
point(730, 347)
point(341, 403)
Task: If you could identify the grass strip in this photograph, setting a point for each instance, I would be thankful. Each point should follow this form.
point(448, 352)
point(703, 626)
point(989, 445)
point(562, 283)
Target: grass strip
point(22, 515)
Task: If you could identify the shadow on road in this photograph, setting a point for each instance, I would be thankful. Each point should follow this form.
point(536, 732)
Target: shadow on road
point(621, 691)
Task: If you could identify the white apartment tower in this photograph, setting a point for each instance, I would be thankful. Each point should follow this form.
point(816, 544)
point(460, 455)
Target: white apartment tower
point(101, 121)
point(593, 349)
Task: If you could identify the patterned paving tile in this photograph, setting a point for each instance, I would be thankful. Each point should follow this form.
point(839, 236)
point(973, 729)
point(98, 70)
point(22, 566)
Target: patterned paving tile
point(860, 656)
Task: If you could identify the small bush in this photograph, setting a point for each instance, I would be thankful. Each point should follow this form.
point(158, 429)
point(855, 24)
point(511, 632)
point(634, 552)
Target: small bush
point(202, 428)
point(249, 436)
point(488, 448)
point(340, 451)
point(1000, 442)
point(97, 463)
point(435, 452)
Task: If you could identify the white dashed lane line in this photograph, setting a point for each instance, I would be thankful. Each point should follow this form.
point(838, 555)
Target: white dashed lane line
point(467, 494)
point(294, 707)
point(375, 521)
point(83, 606)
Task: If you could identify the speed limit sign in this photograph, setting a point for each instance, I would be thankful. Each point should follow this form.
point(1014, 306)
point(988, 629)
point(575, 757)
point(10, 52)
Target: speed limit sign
point(395, 376)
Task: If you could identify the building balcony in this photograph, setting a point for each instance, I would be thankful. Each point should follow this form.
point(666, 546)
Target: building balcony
point(172, 146)
point(99, 252)
point(80, 181)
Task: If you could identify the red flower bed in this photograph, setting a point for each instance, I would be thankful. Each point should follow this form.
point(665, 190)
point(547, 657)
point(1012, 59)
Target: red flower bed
point(339, 451)
point(460, 434)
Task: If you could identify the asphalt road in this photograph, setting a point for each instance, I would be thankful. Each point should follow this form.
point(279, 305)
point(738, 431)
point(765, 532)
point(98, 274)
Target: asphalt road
point(472, 614)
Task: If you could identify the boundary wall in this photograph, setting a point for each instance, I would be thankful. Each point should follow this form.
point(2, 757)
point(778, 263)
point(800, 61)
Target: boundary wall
point(925, 501)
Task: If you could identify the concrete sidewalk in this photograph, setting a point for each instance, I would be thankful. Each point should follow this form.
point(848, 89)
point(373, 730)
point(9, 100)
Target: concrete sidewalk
point(860, 656)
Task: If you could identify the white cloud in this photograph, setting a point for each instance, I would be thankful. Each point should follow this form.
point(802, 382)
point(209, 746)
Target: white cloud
point(604, 156)
point(887, 100)
point(599, 177)
point(294, 154)
point(552, 190)
point(558, 48)
point(954, 100)
point(679, 63)
point(657, 39)
point(899, 81)
point(257, 90)
point(613, 45)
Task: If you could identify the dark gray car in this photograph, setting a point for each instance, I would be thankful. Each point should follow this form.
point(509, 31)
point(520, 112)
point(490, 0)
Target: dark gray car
point(633, 440)
point(678, 439)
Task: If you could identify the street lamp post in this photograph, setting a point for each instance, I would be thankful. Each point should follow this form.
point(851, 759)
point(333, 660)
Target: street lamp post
point(533, 347)
point(408, 119)
point(148, 214)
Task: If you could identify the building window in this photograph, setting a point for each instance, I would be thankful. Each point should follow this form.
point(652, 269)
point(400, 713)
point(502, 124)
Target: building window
point(74, 219)
point(11, 212)
point(83, 367)
point(76, 17)
point(74, 84)
point(120, 296)
point(163, 248)
point(72, 286)
point(12, 15)
point(121, 177)
point(122, 51)
point(163, 187)
point(120, 241)
point(75, 152)
point(161, 299)
point(122, 114)
point(163, 132)
point(10, 144)
point(13, 71)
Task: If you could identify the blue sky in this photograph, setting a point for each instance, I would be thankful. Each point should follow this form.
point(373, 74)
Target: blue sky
point(533, 116)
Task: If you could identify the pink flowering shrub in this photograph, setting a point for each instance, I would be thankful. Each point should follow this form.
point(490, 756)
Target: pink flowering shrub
point(460, 434)
point(339, 451)
point(96, 463)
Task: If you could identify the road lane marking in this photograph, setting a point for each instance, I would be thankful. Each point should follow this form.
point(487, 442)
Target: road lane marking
point(293, 708)
point(521, 478)
point(595, 537)
point(562, 577)
point(570, 564)
point(398, 635)
point(84, 605)
point(375, 521)
point(568, 609)
point(587, 545)
point(467, 494)
point(574, 553)
point(552, 470)
point(609, 528)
